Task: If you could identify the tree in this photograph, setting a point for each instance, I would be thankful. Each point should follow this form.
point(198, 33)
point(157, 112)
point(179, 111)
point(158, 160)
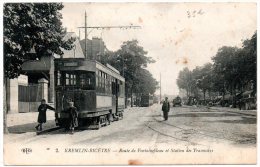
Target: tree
point(145, 83)
point(225, 68)
point(130, 59)
point(249, 59)
point(204, 78)
point(184, 81)
point(31, 27)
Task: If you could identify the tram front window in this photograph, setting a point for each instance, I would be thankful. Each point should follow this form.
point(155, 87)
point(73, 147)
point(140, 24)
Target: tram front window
point(87, 81)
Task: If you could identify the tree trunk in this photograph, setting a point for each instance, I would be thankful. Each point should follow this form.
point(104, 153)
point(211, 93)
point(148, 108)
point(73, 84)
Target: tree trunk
point(5, 107)
point(204, 96)
point(126, 96)
point(234, 96)
point(132, 96)
point(224, 92)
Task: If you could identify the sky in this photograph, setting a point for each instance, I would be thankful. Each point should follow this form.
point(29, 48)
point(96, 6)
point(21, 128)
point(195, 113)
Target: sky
point(175, 35)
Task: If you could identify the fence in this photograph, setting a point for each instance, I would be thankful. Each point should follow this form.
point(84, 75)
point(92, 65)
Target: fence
point(29, 97)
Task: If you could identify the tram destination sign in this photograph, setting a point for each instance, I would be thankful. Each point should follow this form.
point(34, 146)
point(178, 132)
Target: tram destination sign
point(70, 64)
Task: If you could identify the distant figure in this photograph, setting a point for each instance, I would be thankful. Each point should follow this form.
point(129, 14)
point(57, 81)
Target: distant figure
point(166, 108)
point(73, 117)
point(42, 114)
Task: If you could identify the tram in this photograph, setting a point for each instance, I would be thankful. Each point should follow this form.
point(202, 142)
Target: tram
point(97, 90)
point(146, 100)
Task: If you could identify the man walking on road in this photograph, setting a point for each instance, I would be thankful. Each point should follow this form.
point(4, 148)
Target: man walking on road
point(166, 108)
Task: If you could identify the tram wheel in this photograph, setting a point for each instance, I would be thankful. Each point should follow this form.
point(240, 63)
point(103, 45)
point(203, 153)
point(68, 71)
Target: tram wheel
point(97, 123)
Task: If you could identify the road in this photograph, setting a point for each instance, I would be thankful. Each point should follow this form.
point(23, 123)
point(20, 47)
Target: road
point(201, 128)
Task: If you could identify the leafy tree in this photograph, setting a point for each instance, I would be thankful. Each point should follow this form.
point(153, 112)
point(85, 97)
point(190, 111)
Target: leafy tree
point(145, 83)
point(204, 78)
point(185, 81)
point(31, 27)
point(248, 60)
point(130, 59)
point(225, 68)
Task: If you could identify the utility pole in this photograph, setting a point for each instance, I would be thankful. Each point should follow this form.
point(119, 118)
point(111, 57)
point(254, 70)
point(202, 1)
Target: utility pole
point(101, 28)
point(86, 35)
point(160, 88)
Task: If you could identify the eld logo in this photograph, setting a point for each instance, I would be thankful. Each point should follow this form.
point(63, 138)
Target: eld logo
point(26, 150)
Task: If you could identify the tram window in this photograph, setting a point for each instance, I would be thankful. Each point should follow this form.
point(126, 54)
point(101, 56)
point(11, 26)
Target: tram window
point(87, 81)
point(58, 78)
point(82, 79)
point(73, 79)
point(67, 79)
point(70, 79)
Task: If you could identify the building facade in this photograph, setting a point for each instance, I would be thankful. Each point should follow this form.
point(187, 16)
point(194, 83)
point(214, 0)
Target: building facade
point(37, 82)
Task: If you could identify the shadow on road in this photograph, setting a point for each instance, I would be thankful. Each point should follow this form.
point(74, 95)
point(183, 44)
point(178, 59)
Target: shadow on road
point(246, 139)
point(30, 127)
point(127, 136)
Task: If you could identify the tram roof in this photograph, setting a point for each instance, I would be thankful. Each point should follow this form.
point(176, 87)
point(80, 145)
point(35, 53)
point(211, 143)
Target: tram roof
point(82, 64)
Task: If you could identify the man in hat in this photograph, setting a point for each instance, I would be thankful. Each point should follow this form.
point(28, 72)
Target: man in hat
point(166, 108)
point(73, 115)
point(42, 114)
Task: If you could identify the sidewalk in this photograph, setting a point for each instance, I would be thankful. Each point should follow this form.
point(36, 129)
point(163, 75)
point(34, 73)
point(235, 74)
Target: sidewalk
point(26, 122)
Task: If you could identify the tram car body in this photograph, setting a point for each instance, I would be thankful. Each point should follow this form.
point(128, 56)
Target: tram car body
point(98, 92)
point(146, 101)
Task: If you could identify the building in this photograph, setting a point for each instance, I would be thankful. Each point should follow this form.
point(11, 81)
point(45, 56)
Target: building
point(37, 82)
point(95, 48)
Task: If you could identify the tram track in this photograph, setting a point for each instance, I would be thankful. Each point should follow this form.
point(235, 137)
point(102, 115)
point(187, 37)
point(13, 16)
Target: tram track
point(171, 136)
point(206, 132)
point(198, 132)
point(149, 126)
point(187, 130)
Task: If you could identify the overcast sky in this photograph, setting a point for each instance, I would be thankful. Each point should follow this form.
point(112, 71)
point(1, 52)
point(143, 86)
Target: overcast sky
point(176, 35)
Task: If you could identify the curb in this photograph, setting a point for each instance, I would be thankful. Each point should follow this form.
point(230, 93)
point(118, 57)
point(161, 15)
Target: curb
point(238, 112)
point(242, 113)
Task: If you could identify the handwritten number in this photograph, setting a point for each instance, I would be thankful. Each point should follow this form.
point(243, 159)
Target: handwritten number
point(194, 13)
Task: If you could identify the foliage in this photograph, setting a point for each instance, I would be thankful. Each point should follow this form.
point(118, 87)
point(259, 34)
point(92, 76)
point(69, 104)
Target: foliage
point(131, 61)
point(144, 82)
point(232, 69)
point(31, 27)
point(184, 80)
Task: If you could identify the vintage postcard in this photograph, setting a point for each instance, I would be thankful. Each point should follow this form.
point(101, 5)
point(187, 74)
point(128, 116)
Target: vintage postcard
point(129, 83)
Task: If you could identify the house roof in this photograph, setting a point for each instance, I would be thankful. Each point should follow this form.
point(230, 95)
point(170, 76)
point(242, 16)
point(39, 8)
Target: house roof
point(76, 52)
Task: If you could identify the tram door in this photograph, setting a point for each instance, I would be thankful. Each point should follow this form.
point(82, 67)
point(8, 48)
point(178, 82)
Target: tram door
point(115, 91)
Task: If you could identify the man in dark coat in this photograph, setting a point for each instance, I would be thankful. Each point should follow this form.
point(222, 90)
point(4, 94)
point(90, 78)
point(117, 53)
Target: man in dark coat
point(166, 108)
point(42, 113)
point(73, 117)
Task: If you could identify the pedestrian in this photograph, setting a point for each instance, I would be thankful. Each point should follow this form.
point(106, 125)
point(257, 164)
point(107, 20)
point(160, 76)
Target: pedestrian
point(166, 108)
point(73, 117)
point(42, 114)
